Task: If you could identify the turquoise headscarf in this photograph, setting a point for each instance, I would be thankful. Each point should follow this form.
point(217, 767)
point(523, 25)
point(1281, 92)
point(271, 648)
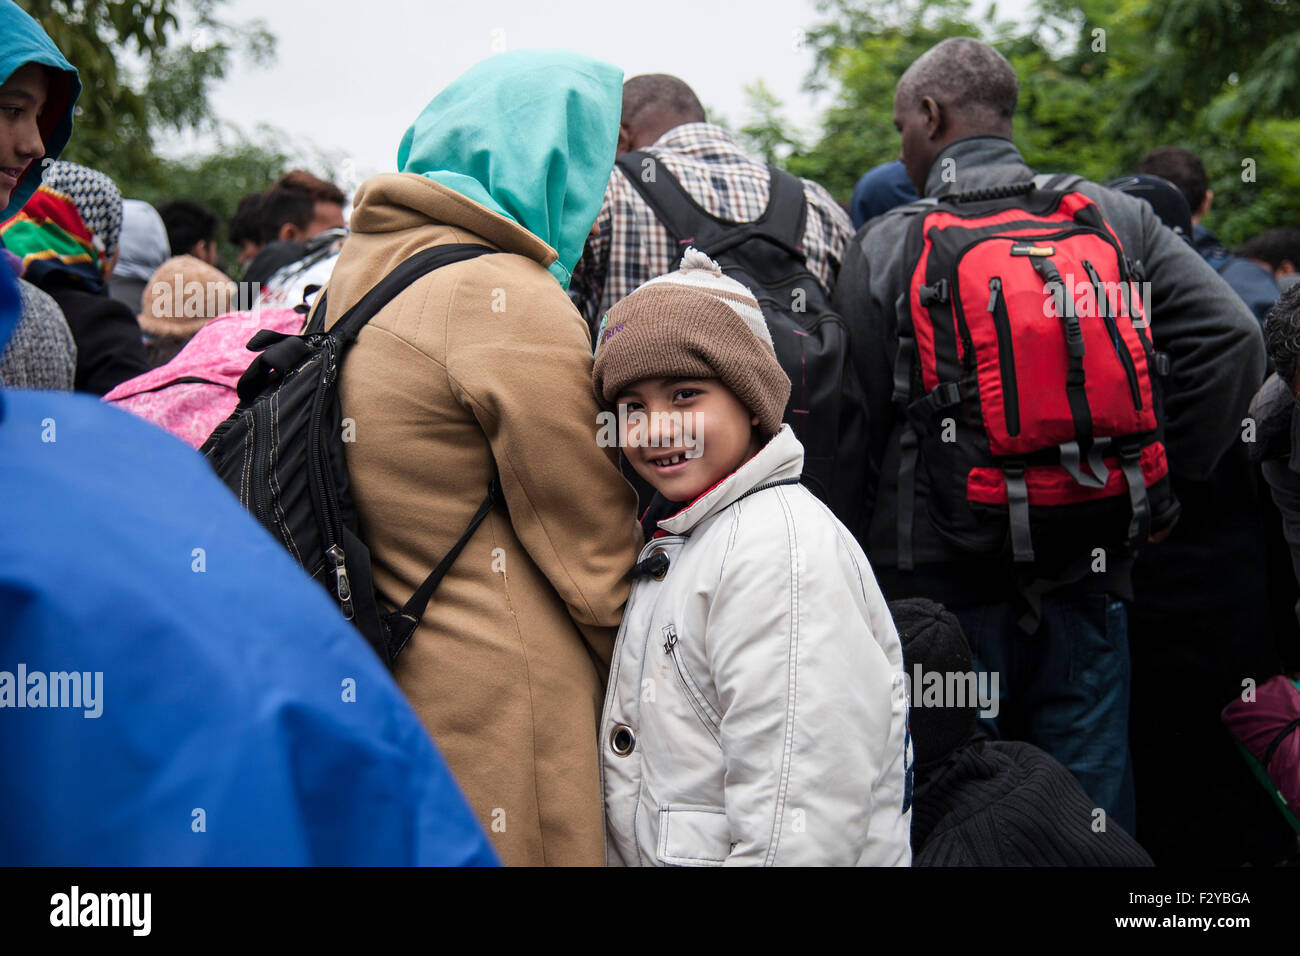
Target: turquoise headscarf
point(22, 41)
point(529, 134)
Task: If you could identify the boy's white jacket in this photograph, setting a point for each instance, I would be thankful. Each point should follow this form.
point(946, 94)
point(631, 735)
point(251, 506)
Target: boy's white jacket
point(759, 687)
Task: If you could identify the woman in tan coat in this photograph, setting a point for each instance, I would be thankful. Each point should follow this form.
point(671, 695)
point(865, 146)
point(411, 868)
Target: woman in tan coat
point(483, 367)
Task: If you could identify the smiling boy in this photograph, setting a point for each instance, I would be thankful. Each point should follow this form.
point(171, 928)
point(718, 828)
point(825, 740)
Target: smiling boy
point(673, 415)
point(22, 96)
point(756, 711)
point(37, 90)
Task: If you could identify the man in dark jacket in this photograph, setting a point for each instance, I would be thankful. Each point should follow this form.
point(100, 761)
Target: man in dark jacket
point(1252, 281)
point(1262, 264)
point(1067, 685)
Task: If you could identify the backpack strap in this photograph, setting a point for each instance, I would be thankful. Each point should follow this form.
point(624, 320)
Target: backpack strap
point(1130, 456)
point(689, 224)
point(316, 320)
point(785, 220)
point(1277, 742)
point(281, 352)
point(904, 360)
point(350, 324)
point(402, 623)
point(1075, 388)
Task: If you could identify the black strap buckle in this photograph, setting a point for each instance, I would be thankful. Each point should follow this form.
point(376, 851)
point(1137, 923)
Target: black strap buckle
point(942, 397)
point(934, 294)
point(946, 395)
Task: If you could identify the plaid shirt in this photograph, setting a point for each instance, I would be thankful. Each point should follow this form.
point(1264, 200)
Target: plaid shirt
point(633, 247)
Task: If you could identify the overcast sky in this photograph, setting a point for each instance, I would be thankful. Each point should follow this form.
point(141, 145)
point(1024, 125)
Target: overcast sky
point(351, 77)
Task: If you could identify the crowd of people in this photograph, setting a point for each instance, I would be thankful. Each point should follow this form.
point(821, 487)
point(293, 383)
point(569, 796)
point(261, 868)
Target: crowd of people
point(956, 524)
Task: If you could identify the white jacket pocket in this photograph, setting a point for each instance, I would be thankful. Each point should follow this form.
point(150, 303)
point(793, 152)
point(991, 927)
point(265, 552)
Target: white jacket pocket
point(693, 836)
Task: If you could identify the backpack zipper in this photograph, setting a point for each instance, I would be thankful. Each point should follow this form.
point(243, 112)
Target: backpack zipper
point(1006, 355)
point(959, 313)
point(341, 582)
point(1112, 327)
point(318, 464)
point(260, 492)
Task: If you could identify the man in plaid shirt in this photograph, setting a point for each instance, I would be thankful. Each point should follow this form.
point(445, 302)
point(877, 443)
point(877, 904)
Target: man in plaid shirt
point(663, 117)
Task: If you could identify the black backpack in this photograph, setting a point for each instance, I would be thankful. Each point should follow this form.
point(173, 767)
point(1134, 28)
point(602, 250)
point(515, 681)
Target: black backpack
point(827, 405)
point(281, 451)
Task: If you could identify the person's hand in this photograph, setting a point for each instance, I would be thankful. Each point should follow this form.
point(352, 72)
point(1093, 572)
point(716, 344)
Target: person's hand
point(1159, 536)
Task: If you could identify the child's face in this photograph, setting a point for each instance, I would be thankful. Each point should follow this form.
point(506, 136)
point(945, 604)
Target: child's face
point(22, 97)
point(684, 435)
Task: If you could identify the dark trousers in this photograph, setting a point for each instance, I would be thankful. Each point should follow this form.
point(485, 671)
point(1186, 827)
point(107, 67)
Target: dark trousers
point(1064, 688)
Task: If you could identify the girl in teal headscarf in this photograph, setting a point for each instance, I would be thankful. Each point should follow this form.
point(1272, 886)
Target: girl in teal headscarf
point(38, 88)
point(529, 134)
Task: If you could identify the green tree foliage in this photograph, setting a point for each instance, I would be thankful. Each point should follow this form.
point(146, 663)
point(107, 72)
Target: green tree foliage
point(1102, 83)
point(112, 116)
point(147, 68)
point(860, 52)
point(767, 133)
point(1199, 50)
point(217, 180)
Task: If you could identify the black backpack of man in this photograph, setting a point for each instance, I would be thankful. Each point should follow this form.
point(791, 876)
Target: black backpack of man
point(281, 451)
point(812, 342)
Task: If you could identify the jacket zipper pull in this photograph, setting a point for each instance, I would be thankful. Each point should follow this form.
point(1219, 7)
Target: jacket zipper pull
point(670, 638)
point(344, 587)
point(995, 288)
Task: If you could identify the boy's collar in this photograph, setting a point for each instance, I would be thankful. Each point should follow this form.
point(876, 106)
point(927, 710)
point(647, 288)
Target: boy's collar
point(779, 459)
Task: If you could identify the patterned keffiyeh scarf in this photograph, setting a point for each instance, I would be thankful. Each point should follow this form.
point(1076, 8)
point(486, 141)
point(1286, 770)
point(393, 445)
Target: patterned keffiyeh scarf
point(71, 226)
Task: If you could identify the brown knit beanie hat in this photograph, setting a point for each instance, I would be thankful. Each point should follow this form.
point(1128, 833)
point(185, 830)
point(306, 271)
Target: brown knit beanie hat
point(184, 295)
point(694, 322)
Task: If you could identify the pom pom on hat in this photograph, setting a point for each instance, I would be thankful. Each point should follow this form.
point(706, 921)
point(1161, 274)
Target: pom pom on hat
point(694, 259)
point(698, 271)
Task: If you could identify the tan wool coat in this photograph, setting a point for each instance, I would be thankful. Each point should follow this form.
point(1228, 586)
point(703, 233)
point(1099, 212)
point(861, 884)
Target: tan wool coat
point(484, 362)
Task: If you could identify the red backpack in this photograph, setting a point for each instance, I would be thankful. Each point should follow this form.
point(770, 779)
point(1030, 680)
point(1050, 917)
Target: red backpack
point(1027, 380)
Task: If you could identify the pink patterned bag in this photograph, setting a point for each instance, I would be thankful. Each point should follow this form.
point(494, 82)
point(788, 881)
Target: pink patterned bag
point(195, 392)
